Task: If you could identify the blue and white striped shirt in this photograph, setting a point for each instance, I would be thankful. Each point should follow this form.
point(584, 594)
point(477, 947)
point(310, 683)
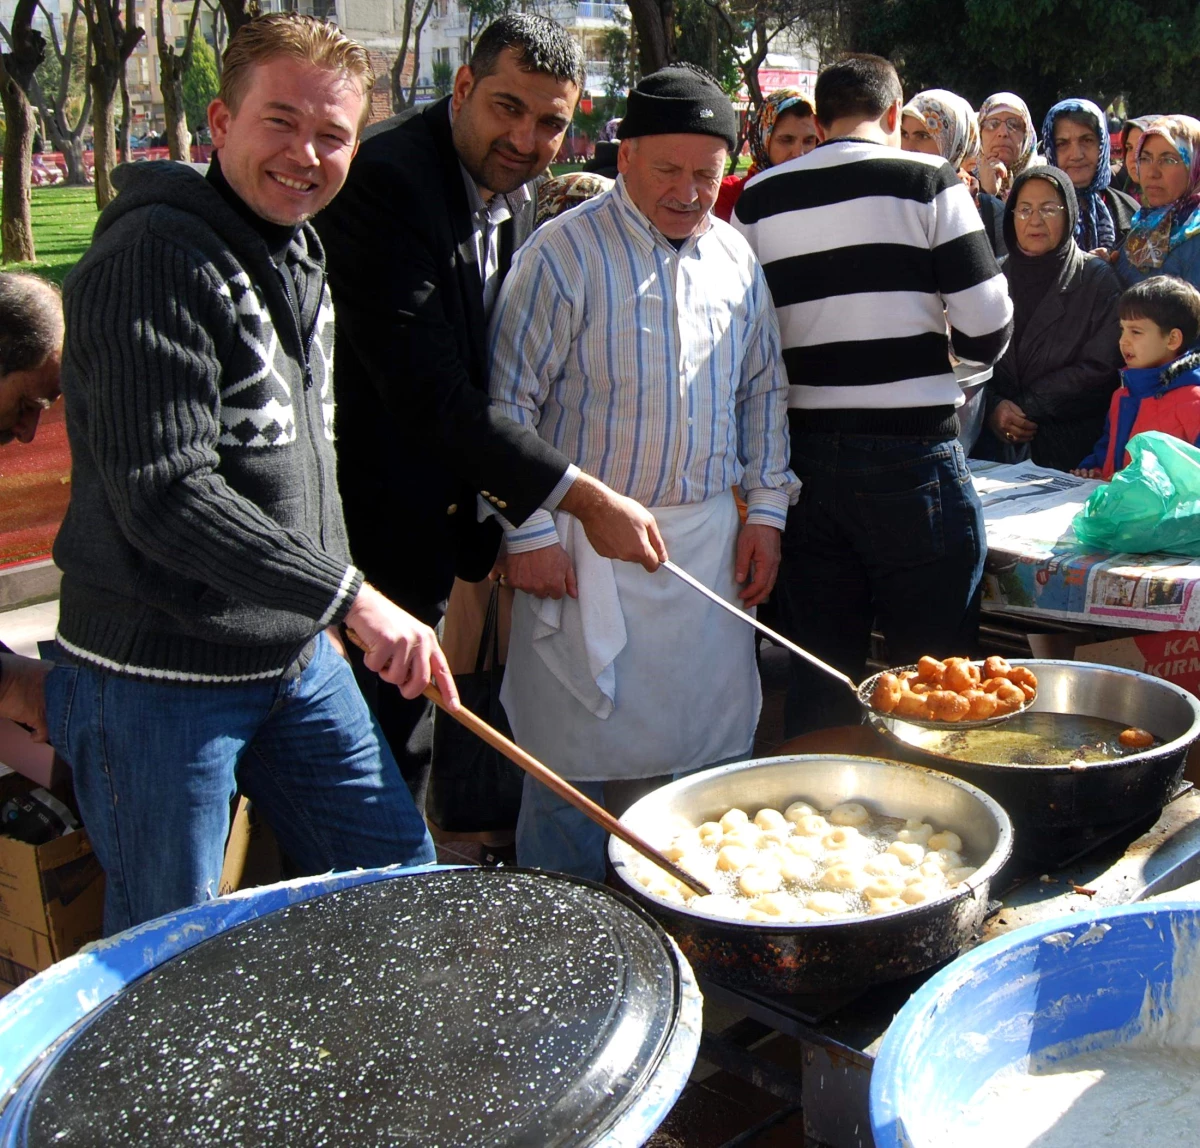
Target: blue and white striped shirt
point(656, 370)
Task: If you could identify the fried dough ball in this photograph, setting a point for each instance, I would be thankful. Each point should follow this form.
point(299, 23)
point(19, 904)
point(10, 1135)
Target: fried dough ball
point(746, 835)
point(844, 838)
point(769, 838)
point(991, 685)
point(803, 916)
point(734, 858)
point(796, 810)
point(681, 847)
point(931, 670)
point(710, 833)
point(719, 905)
point(770, 819)
point(1009, 698)
point(876, 905)
point(884, 865)
point(849, 813)
point(921, 689)
point(1134, 738)
point(827, 903)
point(957, 876)
point(884, 887)
point(798, 870)
point(915, 833)
point(919, 892)
point(909, 852)
point(944, 859)
point(733, 819)
point(814, 825)
point(960, 675)
point(996, 667)
point(759, 879)
point(1025, 679)
point(983, 705)
point(842, 876)
point(928, 871)
point(947, 706)
point(886, 694)
point(947, 839)
point(911, 705)
point(801, 846)
point(777, 905)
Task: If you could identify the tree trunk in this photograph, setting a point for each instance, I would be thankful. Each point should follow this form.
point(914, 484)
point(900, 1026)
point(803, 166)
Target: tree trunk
point(416, 69)
point(16, 76)
point(655, 24)
point(124, 126)
point(71, 147)
point(16, 218)
point(397, 76)
point(104, 136)
point(179, 139)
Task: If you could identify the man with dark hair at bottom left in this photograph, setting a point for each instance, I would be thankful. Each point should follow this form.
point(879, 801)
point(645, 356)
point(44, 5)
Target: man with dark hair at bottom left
point(418, 242)
point(31, 333)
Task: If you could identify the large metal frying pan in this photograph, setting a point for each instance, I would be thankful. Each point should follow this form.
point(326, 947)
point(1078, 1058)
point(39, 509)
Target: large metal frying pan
point(864, 691)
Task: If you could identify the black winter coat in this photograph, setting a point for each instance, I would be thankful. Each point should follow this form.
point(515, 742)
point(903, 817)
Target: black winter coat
point(416, 436)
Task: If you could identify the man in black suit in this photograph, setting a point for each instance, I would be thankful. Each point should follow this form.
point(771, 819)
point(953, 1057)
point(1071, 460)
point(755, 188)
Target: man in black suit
point(417, 243)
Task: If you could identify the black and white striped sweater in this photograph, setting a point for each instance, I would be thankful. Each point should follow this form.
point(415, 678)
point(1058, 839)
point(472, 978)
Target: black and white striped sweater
point(869, 251)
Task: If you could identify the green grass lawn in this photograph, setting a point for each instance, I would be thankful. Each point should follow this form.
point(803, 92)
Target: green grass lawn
point(63, 220)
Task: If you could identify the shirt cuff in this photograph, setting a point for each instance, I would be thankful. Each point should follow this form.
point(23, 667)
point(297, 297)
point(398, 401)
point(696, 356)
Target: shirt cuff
point(765, 507)
point(551, 501)
point(537, 531)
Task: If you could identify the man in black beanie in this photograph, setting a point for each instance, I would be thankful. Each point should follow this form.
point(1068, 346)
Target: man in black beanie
point(636, 333)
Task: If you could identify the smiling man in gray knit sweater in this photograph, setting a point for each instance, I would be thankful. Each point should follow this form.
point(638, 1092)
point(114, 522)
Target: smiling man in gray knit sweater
point(204, 552)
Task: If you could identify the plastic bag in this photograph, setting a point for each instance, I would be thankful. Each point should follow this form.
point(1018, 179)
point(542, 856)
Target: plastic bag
point(1152, 505)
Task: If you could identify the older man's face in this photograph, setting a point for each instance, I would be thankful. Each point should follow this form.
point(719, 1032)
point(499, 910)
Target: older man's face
point(673, 179)
point(24, 395)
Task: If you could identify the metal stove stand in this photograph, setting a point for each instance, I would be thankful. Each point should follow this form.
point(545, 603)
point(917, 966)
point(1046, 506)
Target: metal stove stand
point(840, 1035)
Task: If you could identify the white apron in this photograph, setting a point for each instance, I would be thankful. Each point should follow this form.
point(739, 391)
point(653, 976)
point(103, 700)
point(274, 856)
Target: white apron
point(641, 675)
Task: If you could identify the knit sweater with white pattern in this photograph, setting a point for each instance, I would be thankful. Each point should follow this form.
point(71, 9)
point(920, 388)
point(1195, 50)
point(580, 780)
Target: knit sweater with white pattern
point(204, 540)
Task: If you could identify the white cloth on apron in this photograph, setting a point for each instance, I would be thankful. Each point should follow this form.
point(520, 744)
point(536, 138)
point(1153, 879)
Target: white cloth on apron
point(685, 688)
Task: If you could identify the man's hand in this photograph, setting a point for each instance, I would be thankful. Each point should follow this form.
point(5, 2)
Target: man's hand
point(23, 692)
point(545, 573)
point(1008, 422)
point(757, 563)
point(400, 649)
point(616, 526)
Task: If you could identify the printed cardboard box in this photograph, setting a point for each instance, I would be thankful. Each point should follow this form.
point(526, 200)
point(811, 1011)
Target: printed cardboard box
point(51, 897)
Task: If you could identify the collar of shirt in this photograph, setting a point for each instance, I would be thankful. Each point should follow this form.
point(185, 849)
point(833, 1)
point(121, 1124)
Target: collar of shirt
point(644, 232)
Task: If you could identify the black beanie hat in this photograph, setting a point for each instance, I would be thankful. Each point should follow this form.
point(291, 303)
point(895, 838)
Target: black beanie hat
point(680, 99)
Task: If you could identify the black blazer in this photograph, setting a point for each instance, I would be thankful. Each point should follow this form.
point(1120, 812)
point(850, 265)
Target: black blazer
point(416, 437)
point(1063, 369)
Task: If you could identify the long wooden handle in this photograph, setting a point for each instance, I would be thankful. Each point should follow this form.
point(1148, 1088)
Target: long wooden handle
point(564, 789)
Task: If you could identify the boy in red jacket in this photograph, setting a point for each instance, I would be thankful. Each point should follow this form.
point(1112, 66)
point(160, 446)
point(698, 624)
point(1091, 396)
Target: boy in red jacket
point(1160, 391)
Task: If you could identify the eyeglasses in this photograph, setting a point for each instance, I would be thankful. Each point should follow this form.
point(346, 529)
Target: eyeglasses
point(1165, 162)
point(993, 123)
point(1046, 211)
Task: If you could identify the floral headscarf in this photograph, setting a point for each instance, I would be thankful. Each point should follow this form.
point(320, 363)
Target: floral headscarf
point(1095, 227)
point(1157, 231)
point(950, 120)
point(1009, 102)
point(562, 192)
point(762, 122)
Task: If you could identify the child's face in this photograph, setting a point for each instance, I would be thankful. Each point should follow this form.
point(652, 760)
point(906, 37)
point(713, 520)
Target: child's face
point(1145, 344)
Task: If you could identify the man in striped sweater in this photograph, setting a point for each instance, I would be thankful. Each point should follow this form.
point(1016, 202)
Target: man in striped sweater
point(879, 267)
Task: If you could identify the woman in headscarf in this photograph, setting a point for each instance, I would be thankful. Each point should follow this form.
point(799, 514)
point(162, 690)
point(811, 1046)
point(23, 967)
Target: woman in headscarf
point(1075, 139)
point(939, 122)
point(1050, 392)
point(1126, 179)
point(1165, 237)
point(1008, 142)
point(783, 128)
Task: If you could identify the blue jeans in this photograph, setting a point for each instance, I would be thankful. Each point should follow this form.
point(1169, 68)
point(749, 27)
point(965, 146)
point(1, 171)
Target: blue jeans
point(887, 530)
point(156, 765)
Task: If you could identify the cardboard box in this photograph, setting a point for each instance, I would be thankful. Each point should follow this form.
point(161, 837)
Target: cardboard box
point(51, 897)
point(1173, 655)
